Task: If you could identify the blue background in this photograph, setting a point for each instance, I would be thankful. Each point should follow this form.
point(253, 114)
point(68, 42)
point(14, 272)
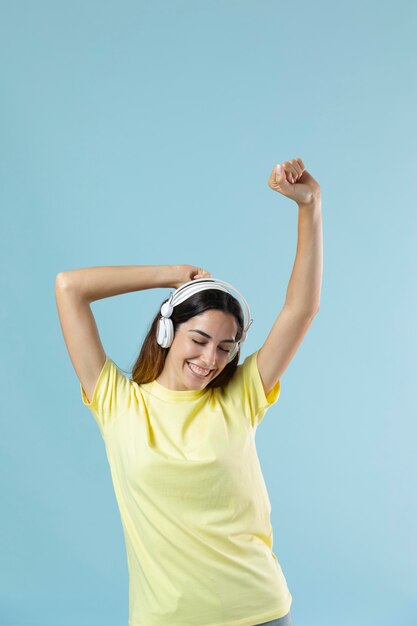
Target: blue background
point(143, 133)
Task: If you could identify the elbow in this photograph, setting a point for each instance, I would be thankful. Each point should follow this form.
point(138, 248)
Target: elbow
point(311, 312)
point(61, 281)
point(303, 311)
point(315, 311)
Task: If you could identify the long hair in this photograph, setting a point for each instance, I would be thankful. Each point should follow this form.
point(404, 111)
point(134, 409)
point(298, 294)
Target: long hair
point(152, 356)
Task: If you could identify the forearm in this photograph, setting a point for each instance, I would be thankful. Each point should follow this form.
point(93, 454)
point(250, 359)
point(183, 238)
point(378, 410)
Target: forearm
point(304, 287)
point(95, 283)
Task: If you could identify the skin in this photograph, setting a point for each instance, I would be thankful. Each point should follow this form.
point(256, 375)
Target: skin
point(176, 374)
point(302, 301)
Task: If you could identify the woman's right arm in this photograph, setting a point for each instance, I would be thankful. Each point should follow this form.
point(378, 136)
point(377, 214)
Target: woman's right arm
point(76, 289)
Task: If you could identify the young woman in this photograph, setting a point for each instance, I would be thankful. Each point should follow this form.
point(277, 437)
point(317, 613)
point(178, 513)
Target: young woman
point(180, 433)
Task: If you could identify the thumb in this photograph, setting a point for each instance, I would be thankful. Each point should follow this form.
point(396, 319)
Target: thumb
point(280, 177)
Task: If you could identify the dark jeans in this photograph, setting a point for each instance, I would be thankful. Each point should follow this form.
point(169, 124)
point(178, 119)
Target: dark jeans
point(282, 621)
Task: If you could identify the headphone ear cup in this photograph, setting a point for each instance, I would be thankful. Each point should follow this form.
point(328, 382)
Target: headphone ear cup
point(233, 352)
point(167, 309)
point(165, 332)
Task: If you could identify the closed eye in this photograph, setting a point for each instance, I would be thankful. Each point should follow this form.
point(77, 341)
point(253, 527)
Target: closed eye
point(200, 343)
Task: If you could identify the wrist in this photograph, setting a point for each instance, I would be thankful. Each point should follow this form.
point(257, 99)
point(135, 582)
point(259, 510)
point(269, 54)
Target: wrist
point(166, 276)
point(313, 205)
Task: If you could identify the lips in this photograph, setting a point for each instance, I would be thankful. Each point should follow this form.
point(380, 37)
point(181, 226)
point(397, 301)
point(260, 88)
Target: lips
point(200, 372)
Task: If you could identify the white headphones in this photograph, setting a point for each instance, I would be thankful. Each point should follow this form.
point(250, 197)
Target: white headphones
point(165, 330)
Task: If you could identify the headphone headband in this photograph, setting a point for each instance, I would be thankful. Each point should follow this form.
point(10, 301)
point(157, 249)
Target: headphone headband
point(188, 289)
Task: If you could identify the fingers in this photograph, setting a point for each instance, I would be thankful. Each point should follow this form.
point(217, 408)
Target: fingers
point(202, 273)
point(293, 169)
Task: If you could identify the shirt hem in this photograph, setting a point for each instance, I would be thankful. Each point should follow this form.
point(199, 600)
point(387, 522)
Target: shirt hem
point(246, 621)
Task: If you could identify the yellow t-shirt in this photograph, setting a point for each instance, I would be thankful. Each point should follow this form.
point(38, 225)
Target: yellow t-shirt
point(193, 502)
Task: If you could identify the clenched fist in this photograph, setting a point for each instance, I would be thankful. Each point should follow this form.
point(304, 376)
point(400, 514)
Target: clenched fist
point(292, 180)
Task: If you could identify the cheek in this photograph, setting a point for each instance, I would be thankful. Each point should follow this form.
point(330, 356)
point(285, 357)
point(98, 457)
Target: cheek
point(187, 351)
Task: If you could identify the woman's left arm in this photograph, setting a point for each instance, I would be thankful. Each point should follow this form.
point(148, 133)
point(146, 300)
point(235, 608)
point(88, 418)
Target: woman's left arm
point(303, 294)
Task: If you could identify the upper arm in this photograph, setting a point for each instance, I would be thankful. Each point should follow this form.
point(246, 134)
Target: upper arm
point(285, 336)
point(80, 334)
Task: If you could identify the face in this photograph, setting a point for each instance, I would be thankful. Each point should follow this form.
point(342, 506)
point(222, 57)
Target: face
point(196, 358)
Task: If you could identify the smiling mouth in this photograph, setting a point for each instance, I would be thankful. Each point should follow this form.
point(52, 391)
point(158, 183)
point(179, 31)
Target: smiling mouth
point(199, 372)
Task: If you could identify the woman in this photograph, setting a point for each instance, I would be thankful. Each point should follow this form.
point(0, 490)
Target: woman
point(179, 434)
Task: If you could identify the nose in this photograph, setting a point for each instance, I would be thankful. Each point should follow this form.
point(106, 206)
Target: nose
point(208, 356)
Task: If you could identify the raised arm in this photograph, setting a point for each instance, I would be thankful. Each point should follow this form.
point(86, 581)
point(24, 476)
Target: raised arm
point(303, 294)
point(76, 289)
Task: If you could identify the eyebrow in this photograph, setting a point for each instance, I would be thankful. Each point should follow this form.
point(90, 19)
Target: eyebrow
point(208, 336)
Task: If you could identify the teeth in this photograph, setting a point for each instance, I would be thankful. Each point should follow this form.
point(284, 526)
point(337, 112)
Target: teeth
point(198, 370)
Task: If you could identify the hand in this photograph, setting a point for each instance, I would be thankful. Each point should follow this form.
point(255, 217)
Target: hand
point(295, 182)
point(184, 273)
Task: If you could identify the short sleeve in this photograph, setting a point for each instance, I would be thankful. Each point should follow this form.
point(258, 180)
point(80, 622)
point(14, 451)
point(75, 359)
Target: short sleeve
point(111, 396)
point(247, 385)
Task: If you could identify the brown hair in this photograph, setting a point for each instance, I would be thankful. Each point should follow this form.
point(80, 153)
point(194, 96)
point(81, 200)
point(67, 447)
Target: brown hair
point(152, 356)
